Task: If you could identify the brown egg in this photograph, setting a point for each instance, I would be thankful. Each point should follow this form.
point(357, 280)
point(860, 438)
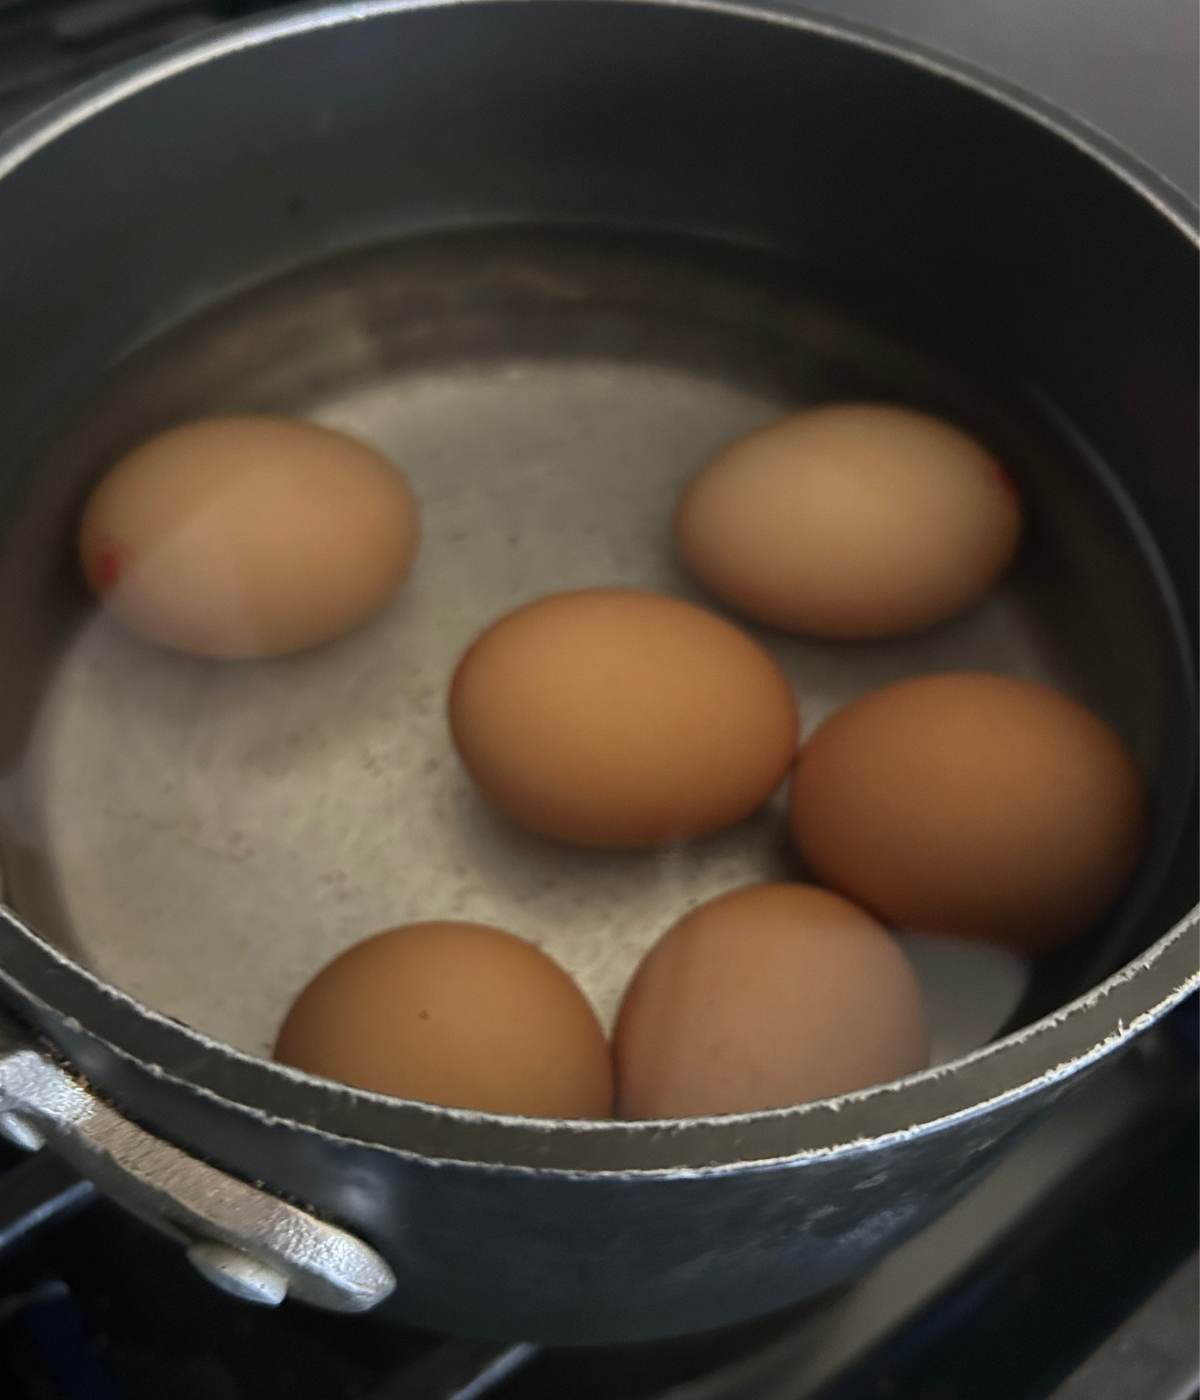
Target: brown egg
point(765, 997)
point(850, 521)
point(457, 1014)
point(971, 804)
point(610, 717)
point(246, 537)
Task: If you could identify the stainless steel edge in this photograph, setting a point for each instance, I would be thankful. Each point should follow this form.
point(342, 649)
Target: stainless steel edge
point(1033, 1058)
point(28, 135)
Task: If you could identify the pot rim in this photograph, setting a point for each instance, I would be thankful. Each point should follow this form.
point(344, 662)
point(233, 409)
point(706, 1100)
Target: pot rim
point(1034, 1057)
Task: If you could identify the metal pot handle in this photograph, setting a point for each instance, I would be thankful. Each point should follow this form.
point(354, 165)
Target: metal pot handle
point(243, 1239)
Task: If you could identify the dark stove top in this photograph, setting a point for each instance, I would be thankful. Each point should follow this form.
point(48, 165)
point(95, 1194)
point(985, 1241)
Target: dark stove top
point(1069, 1273)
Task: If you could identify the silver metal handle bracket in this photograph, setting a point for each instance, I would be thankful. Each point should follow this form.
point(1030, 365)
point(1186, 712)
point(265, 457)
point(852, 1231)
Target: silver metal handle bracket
point(240, 1237)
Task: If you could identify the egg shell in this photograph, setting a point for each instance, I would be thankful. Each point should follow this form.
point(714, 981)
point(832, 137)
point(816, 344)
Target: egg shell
point(850, 521)
point(764, 997)
point(971, 804)
point(247, 536)
point(617, 718)
point(458, 1014)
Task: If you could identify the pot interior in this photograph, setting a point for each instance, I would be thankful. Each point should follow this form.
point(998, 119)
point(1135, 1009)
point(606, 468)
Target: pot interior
point(550, 329)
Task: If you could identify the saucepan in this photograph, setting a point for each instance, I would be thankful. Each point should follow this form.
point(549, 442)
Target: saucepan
point(533, 249)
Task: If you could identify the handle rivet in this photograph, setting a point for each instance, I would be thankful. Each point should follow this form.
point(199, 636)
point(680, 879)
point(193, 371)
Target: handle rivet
point(21, 1132)
point(236, 1273)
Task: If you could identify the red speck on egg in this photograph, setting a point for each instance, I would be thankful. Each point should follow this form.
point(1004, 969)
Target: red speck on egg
point(106, 566)
point(1003, 480)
